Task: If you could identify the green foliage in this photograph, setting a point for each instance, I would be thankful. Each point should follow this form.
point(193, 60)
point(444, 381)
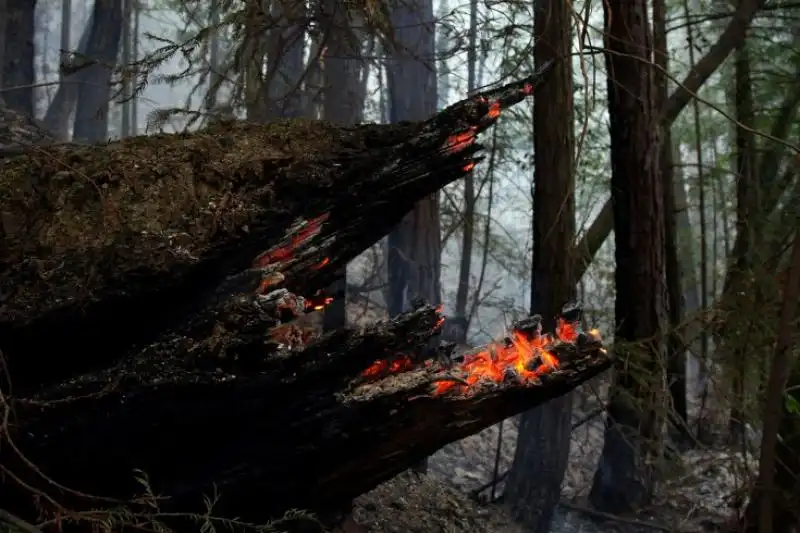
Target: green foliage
point(792, 404)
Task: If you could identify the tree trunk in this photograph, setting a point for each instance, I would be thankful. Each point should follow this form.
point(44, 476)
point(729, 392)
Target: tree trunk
point(18, 76)
point(676, 349)
point(285, 43)
point(732, 37)
point(144, 253)
point(468, 215)
point(414, 247)
point(624, 477)
point(775, 500)
point(533, 486)
point(342, 72)
point(91, 112)
point(344, 422)
point(741, 289)
point(60, 109)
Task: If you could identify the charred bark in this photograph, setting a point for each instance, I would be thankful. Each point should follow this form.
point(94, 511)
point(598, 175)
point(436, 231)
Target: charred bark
point(105, 247)
point(272, 430)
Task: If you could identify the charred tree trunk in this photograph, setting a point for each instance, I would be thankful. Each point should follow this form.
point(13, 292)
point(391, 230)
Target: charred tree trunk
point(414, 247)
point(344, 422)
point(173, 242)
point(147, 230)
point(624, 479)
point(18, 76)
point(533, 486)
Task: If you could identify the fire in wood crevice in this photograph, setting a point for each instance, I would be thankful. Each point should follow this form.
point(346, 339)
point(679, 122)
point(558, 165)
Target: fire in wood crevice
point(521, 357)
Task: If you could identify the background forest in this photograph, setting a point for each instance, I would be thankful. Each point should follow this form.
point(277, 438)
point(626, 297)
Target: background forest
point(655, 178)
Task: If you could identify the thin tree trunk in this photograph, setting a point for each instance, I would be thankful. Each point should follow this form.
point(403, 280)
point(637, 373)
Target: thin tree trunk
point(742, 287)
point(774, 505)
point(468, 225)
point(127, 85)
point(533, 487)
point(676, 350)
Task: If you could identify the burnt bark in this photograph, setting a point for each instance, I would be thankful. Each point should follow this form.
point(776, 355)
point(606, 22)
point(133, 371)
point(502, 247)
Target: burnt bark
point(18, 76)
point(533, 486)
point(125, 243)
point(624, 479)
point(102, 50)
point(341, 427)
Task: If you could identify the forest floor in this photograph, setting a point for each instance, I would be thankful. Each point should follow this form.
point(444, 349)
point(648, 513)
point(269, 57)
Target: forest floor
point(698, 495)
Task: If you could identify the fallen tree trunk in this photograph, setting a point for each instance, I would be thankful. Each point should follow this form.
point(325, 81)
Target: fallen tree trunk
point(309, 429)
point(104, 247)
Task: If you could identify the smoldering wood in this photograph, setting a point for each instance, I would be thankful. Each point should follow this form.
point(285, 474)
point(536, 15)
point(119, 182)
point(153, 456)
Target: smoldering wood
point(295, 429)
point(104, 247)
point(160, 264)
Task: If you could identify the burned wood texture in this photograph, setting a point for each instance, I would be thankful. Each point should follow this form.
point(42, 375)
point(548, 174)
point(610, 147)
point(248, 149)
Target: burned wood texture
point(105, 247)
point(308, 429)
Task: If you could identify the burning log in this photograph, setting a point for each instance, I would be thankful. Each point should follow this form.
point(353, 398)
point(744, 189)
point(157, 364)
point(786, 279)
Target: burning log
point(106, 247)
point(309, 429)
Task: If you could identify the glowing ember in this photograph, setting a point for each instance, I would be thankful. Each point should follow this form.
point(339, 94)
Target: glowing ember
point(384, 367)
point(526, 355)
point(459, 141)
point(299, 235)
point(318, 303)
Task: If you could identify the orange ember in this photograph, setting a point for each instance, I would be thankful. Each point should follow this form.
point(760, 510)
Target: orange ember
point(494, 110)
point(525, 354)
point(286, 252)
point(383, 367)
point(469, 166)
point(459, 141)
point(317, 304)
